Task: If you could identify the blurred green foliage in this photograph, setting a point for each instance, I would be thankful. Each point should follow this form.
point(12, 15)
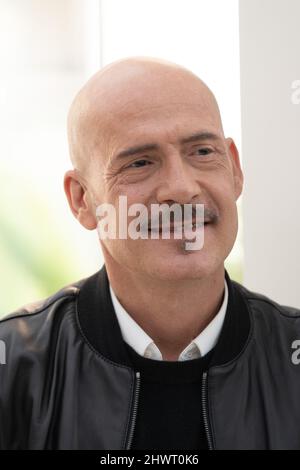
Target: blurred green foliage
point(34, 256)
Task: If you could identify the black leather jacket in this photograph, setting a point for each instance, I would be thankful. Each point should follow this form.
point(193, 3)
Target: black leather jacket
point(67, 383)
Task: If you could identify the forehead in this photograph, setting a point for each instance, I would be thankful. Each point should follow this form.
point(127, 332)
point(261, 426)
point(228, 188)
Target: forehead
point(150, 108)
point(165, 122)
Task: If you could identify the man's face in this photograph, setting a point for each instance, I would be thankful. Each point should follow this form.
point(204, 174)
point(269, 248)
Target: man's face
point(171, 165)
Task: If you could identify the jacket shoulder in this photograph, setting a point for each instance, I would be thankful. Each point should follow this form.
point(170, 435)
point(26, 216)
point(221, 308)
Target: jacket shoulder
point(263, 302)
point(36, 313)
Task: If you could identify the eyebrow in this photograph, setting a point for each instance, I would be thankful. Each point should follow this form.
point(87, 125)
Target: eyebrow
point(196, 137)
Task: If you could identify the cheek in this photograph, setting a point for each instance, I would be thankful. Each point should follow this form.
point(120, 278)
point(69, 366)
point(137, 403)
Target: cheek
point(134, 193)
point(229, 226)
point(223, 188)
point(224, 198)
point(122, 199)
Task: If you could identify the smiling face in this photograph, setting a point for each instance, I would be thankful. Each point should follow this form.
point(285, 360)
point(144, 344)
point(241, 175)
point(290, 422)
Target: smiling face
point(155, 136)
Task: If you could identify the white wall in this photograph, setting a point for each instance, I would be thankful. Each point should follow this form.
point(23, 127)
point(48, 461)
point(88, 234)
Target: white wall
point(270, 63)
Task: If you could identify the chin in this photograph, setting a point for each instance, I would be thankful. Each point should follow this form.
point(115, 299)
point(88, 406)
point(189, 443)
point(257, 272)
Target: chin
point(188, 267)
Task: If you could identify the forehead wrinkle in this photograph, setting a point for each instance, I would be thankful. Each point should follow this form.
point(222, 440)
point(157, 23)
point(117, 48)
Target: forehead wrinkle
point(194, 137)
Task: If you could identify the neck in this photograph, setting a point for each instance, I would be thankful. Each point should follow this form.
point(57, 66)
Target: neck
point(172, 313)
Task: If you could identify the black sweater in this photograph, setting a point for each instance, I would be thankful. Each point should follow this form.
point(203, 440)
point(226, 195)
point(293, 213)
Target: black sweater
point(169, 412)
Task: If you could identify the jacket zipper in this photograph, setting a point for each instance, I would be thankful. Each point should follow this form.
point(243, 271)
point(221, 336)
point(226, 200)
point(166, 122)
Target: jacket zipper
point(135, 406)
point(134, 412)
point(205, 413)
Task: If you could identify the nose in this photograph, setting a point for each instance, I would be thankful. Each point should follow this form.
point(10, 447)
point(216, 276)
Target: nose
point(177, 183)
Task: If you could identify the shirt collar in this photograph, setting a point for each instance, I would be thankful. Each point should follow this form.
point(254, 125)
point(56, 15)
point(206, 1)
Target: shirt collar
point(138, 339)
point(132, 333)
point(208, 338)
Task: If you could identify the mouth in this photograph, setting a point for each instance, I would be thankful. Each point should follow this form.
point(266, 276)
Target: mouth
point(175, 227)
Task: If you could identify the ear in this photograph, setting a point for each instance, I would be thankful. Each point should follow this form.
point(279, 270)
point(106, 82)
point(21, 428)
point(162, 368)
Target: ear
point(236, 167)
point(79, 200)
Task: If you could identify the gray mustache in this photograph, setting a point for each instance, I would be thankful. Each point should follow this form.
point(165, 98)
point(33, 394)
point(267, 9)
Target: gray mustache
point(176, 220)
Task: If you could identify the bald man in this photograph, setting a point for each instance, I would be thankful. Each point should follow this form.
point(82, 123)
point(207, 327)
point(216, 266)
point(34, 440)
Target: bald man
point(160, 349)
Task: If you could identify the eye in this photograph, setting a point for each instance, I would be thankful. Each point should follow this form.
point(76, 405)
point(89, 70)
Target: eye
point(203, 151)
point(139, 164)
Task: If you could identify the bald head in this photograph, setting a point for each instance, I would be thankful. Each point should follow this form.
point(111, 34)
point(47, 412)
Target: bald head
point(128, 88)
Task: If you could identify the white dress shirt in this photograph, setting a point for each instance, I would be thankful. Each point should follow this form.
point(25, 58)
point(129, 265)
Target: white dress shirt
point(138, 339)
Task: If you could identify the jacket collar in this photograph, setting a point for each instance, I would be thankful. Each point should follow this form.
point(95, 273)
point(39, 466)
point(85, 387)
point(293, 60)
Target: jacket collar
point(99, 324)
